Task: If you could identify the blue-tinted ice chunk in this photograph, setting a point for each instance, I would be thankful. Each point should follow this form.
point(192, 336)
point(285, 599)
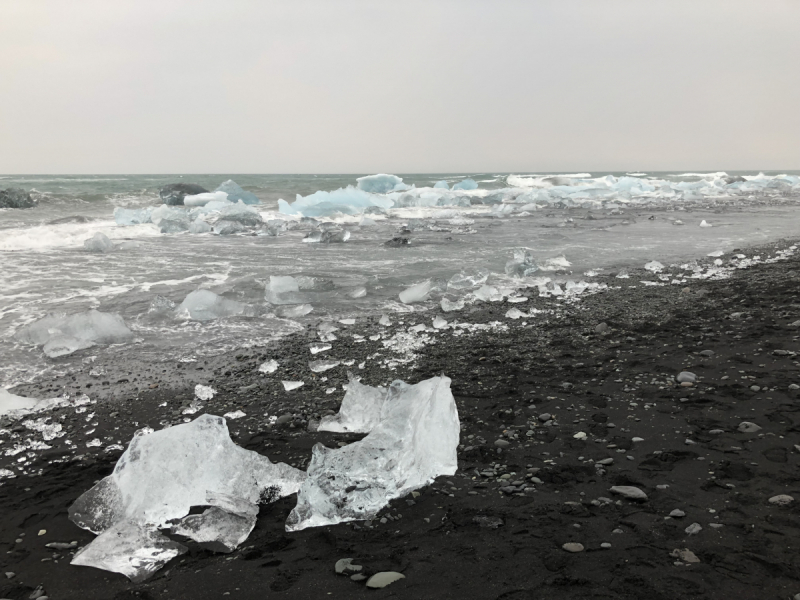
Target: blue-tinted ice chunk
point(132, 216)
point(236, 193)
point(381, 183)
point(441, 185)
point(466, 184)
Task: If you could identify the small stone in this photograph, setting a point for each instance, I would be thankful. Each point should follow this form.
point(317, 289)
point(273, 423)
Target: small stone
point(755, 388)
point(794, 386)
point(707, 353)
point(605, 545)
point(384, 578)
point(685, 555)
point(601, 328)
point(781, 500)
point(10, 575)
point(618, 531)
point(687, 384)
point(502, 443)
point(605, 462)
point(694, 529)
point(629, 491)
point(358, 577)
point(580, 436)
point(686, 377)
point(573, 547)
point(42, 531)
point(677, 513)
point(748, 427)
point(345, 566)
point(544, 417)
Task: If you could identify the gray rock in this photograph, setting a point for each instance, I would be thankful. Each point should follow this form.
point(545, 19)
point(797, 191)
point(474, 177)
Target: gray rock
point(781, 500)
point(707, 353)
point(685, 555)
point(174, 193)
point(794, 386)
point(16, 198)
point(384, 578)
point(748, 427)
point(686, 377)
point(502, 443)
point(677, 513)
point(755, 388)
point(629, 491)
point(283, 420)
point(601, 328)
point(605, 462)
point(345, 566)
point(694, 529)
point(544, 417)
point(573, 547)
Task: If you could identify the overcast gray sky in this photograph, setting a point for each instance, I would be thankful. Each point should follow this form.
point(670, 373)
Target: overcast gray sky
point(344, 86)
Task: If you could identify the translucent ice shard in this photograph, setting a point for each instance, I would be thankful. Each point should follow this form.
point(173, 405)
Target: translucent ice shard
point(293, 312)
point(381, 183)
point(414, 442)
point(467, 280)
point(522, 264)
point(441, 185)
point(205, 198)
point(360, 411)
point(241, 213)
point(156, 482)
point(99, 243)
point(132, 216)
point(466, 184)
point(60, 334)
point(170, 219)
point(11, 402)
point(269, 366)
point(417, 292)
point(320, 366)
point(283, 289)
point(452, 305)
point(136, 551)
point(236, 193)
point(205, 305)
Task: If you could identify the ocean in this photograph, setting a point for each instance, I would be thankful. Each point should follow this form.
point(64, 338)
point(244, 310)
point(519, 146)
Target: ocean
point(573, 226)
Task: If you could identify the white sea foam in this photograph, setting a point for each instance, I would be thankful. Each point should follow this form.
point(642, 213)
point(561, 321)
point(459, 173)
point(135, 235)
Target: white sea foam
point(64, 235)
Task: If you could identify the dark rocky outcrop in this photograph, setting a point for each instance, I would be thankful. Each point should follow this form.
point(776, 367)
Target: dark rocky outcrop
point(16, 198)
point(174, 193)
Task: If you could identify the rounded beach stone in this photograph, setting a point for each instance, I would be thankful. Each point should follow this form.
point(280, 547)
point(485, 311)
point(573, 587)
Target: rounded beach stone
point(781, 500)
point(628, 491)
point(573, 547)
point(748, 427)
point(686, 377)
point(384, 578)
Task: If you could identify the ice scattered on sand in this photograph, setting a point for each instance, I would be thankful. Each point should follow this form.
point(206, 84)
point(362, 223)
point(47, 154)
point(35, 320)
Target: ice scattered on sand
point(317, 348)
point(385, 321)
point(204, 392)
point(157, 481)
point(205, 305)
point(439, 322)
point(417, 292)
point(61, 334)
point(320, 366)
point(291, 385)
point(654, 266)
point(10, 403)
point(414, 442)
point(269, 366)
point(705, 223)
point(450, 306)
point(236, 414)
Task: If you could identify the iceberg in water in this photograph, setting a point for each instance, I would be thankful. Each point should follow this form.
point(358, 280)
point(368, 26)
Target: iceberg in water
point(205, 198)
point(417, 292)
point(235, 193)
point(283, 289)
point(466, 184)
point(241, 213)
point(132, 216)
point(348, 201)
point(360, 411)
point(98, 243)
point(61, 334)
point(381, 183)
point(441, 185)
point(11, 402)
point(159, 478)
point(170, 219)
point(205, 305)
point(414, 442)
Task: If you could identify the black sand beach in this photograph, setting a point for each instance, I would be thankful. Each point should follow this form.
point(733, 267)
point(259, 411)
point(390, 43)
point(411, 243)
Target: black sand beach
point(481, 534)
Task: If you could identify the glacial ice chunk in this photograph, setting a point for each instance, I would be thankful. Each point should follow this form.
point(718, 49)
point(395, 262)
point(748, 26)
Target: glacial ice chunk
point(269, 366)
point(320, 366)
point(417, 292)
point(465, 280)
point(349, 201)
point(225, 227)
point(442, 184)
point(452, 305)
point(466, 184)
point(293, 312)
point(235, 193)
point(381, 183)
point(522, 264)
point(205, 198)
point(60, 334)
point(134, 550)
point(155, 483)
point(414, 442)
point(654, 266)
point(241, 213)
point(170, 219)
point(11, 402)
point(205, 305)
point(439, 322)
point(292, 385)
point(204, 392)
point(199, 226)
point(283, 289)
point(99, 242)
point(488, 293)
point(132, 216)
point(360, 410)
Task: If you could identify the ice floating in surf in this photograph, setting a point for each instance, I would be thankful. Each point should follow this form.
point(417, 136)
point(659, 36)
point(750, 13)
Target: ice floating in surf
point(235, 193)
point(381, 183)
point(61, 334)
point(417, 292)
point(414, 442)
point(98, 243)
point(155, 484)
point(205, 198)
point(205, 305)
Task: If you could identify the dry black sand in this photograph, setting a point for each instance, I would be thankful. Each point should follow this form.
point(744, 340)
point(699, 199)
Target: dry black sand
point(613, 386)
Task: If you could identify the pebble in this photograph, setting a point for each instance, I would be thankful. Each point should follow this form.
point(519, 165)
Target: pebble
point(345, 566)
point(755, 388)
point(545, 417)
point(685, 555)
point(686, 377)
point(605, 545)
point(605, 462)
point(748, 427)
point(629, 491)
point(601, 328)
point(781, 500)
point(573, 547)
point(384, 578)
point(502, 443)
point(694, 529)
point(794, 387)
point(677, 513)
point(707, 353)
point(580, 436)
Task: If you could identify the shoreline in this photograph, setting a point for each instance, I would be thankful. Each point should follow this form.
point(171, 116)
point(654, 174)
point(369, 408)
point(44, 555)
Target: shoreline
point(504, 382)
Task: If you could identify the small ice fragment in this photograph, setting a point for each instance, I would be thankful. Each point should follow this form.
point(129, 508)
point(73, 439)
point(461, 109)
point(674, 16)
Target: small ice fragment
point(517, 299)
point(515, 313)
point(488, 293)
point(716, 253)
point(381, 183)
point(283, 289)
point(291, 385)
point(205, 305)
point(466, 280)
point(347, 321)
point(11, 402)
point(293, 312)
point(320, 366)
point(654, 266)
point(205, 198)
point(439, 322)
point(449, 306)
point(414, 442)
point(236, 414)
point(705, 223)
point(466, 184)
point(99, 242)
point(204, 392)
point(269, 366)
point(385, 321)
point(61, 334)
point(330, 390)
point(235, 193)
point(417, 292)
point(357, 292)
point(317, 348)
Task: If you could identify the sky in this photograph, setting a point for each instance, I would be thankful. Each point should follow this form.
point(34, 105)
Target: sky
point(404, 86)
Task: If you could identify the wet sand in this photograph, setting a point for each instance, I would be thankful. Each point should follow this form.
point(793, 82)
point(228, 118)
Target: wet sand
point(497, 528)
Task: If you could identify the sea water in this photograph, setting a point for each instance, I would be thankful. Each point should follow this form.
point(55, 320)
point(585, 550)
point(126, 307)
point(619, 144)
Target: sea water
point(46, 269)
